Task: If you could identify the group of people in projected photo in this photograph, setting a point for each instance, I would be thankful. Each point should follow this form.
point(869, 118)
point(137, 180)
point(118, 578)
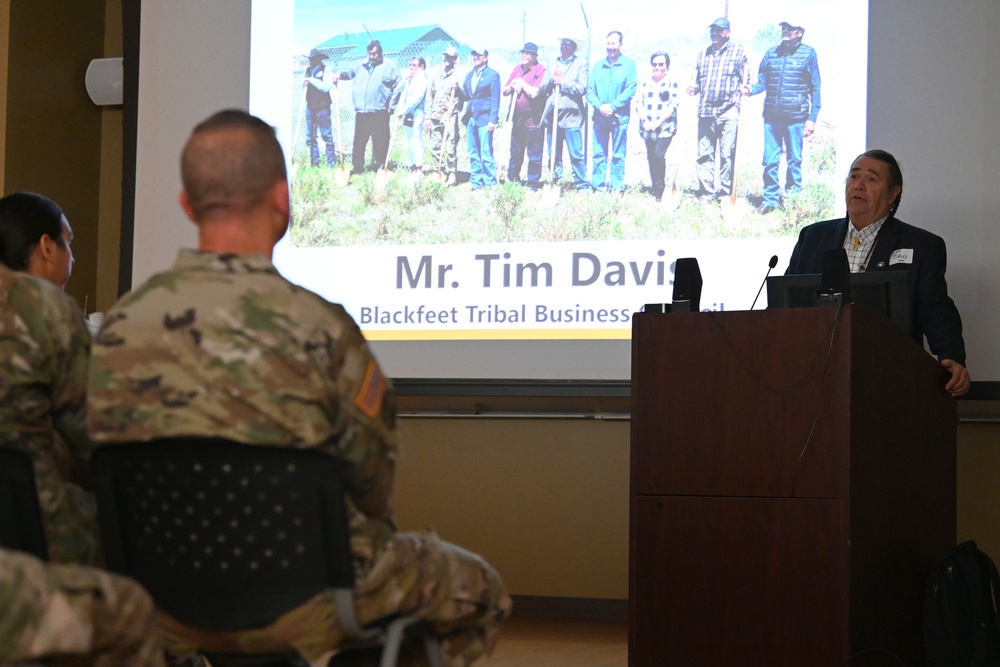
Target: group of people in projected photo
point(551, 116)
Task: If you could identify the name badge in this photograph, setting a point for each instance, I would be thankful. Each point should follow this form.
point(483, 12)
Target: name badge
point(901, 256)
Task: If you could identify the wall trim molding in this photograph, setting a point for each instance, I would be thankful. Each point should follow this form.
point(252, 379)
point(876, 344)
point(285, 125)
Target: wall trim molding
point(577, 609)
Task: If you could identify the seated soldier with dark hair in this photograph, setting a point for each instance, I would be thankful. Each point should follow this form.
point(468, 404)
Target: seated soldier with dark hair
point(44, 349)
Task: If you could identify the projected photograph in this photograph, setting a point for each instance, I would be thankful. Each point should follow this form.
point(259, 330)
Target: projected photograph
point(533, 170)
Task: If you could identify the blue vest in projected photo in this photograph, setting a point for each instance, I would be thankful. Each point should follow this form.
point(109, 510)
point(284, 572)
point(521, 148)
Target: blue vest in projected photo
point(788, 80)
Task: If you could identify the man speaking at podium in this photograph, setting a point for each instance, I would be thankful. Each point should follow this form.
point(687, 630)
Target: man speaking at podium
point(875, 240)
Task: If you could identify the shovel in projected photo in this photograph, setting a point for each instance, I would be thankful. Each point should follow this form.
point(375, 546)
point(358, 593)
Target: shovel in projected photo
point(340, 173)
point(551, 190)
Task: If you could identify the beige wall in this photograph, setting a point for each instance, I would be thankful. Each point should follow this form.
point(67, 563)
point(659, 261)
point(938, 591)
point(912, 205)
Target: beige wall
point(4, 46)
point(979, 485)
point(109, 210)
point(52, 130)
point(55, 140)
point(546, 501)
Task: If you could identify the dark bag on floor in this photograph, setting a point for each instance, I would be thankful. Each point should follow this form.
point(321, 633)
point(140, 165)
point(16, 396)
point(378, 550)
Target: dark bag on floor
point(960, 611)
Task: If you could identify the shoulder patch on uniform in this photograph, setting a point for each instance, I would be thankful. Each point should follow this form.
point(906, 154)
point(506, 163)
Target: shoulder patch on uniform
point(369, 399)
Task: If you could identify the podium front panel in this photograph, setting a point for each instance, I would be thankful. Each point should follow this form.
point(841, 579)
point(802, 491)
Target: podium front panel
point(738, 581)
point(742, 404)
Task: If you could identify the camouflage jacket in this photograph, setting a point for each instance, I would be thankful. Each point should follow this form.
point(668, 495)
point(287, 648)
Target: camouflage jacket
point(77, 612)
point(221, 345)
point(44, 346)
point(442, 98)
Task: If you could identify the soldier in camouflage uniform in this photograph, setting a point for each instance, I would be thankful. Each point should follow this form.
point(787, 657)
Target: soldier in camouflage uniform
point(442, 116)
point(222, 345)
point(81, 614)
point(44, 346)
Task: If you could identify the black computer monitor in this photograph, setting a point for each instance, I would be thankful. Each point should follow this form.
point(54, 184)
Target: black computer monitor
point(887, 291)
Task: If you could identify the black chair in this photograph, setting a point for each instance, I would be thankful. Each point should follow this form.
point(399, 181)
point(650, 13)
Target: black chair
point(227, 536)
point(21, 526)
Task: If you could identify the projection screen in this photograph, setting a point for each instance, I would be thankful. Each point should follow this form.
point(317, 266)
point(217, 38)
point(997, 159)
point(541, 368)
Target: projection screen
point(449, 282)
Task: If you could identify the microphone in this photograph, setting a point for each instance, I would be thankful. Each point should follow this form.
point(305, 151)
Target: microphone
point(770, 265)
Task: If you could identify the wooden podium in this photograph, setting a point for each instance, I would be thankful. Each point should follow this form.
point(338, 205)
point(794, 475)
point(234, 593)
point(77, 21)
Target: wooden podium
point(792, 486)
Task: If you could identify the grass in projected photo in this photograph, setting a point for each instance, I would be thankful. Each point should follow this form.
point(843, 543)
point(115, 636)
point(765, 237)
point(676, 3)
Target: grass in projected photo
point(410, 211)
point(400, 207)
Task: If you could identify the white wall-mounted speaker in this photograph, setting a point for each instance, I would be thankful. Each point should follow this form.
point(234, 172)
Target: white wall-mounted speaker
point(104, 81)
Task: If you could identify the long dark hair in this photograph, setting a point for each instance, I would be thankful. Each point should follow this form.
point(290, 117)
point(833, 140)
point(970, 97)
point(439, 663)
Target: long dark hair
point(25, 217)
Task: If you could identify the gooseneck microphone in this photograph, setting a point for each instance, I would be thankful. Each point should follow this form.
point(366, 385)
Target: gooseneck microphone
point(770, 265)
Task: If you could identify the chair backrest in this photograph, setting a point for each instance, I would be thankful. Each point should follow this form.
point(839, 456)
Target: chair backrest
point(225, 536)
point(21, 524)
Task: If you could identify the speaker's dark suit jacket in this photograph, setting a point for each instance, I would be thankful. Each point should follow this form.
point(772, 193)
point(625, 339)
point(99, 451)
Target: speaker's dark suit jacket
point(934, 314)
